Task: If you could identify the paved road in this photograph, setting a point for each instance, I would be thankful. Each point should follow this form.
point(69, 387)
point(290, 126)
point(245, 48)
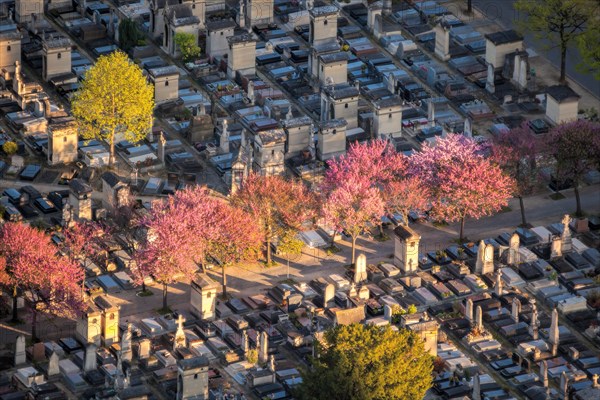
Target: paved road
point(503, 12)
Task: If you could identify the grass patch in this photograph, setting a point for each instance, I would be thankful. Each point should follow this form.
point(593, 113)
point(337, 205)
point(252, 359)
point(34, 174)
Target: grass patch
point(289, 281)
point(145, 293)
point(557, 196)
point(439, 224)
point(381, 237)
point(164, 311)
point(505, 209)
point(271, 264)
point(461, 241)
point(332, 250)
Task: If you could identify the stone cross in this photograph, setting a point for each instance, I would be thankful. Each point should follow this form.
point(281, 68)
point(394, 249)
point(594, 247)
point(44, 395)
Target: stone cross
point(566, 234)
point(556, 247)
point(516, 309)
point(244, 343)
point(387, 313)
point(478, 319)
point(20, 356)
point(498, 286)
point(513, 251)
point(476, 388)
point(180, 339)
point(53, 368)
point(263, 350)
point(469, 310)
point(360, 268)
point(553, 335)
point(90, 362)
point(544, 373)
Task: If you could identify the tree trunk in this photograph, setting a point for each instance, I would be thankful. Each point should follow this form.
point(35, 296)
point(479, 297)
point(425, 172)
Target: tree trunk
point(268, 251)
point(579, 211)
point(381, 230)
point(333, 240)
point(143, 286)
point(165, 290)
point(353, 248)
point(224, 281)
point(462, 229)
point(522, 205)
point(563, 61)
point(15, 312)
point(469, 6)
point(404, 219)
point(111, 158)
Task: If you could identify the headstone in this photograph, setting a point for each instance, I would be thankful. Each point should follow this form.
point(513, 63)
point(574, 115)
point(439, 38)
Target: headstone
point(468, 128)
point(431, 113)
point(17, 161)
point(144, 348)
point(442, 40)
point(53, 367)
point(498, 285)
point(480, 258)
point(516, 309)
point(251, 91)
point(38, 352)
point(180, 339)
point(67, 215)
point(244, 344)
point(352, 292)
point(289, 114)
point(478, 319)
point(564, 384)
point(582, 225)
point(360, 268)
point(533, 324)
point(544, 373)
point(488, 259)
point(387, 313)
point(476, 388)
point(513, 250)
point(553, 336)
point(20, 355)
point(90, 361)
point(126, 344)
point(328, 294)
point(364, 293)
point(161, 147)
point(566, 234)
point(469, 310)
point(263, 350)
point(556, 247)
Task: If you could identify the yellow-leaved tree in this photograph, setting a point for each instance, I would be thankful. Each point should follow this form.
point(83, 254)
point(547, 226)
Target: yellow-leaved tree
point(114, 98)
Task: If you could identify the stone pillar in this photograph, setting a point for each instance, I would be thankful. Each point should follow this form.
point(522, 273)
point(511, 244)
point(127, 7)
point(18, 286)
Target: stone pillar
point(478, 319)
point(533, 324)
point(53, 368)
point(272, 363)
point(513, 250)
point(498, 287)
point(328, 294)
point(442, 41)
point(553, 334)
point(161, 147)
point(490, 85)
point(126, 344)
point(263, 348)
point(480, 257)
point(387, 313)
point(564, 385)
point(544, 373)
point(360, 268)
point(244, 344)
point(20, 356)
point(476, 388)
point(469, 310)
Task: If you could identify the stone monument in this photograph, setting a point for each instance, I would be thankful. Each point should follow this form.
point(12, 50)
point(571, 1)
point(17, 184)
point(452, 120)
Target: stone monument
point(553, 334)
point(180, 339)
point(263, 348)
point(566, 234)
point(20, 355)
point(360, 268)
point(53, 367)
point(126, 344)
point(90, 361)
point(513, 250)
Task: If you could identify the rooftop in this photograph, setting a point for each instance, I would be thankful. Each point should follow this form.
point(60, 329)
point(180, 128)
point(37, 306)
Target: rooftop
point(333, 123)
point(334, 57)
point(393, 101)
point(78, 186)
point(192, 363)
point(405, 232)
point(299, 121)
point(219, 25)
point(504, 37)
point(271, 136)
point(243, 38)
point(561, 93)
point(341, 91)
point(164, 71)
point(324, 10)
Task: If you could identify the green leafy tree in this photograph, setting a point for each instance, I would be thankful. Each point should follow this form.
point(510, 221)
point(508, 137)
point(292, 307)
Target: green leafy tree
point(589, 47)
point(188, 46)
point(129, 34)
point(291, 246)
point(114, 98)
point(359, 362)
point(558, 22)
point(10, 148)
point(252, 356)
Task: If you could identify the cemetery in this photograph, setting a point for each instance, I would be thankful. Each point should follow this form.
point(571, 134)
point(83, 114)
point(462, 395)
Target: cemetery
point(285, 89)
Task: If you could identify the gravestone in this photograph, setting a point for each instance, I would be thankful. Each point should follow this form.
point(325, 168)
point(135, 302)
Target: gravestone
point(488, 259)
point(53, 367)
point(469, 310)
point(364, 293)
point(513, 250)
point(352, 292)
point(126, 344)
point(144, 348)
point(360, 268)
point(38, 352)
point(567, 244)
point(328, 294)
point(272, 363)
point(564, 385)
point(442, 40)
point(544, 373)
point(263, 348)
point(20, 356)
point(498, 286)
point(516, 309)
point(244, 344)
point(17, 161)
point(251, 89)
point(490, 84)
point(90, 360)
point(161, 147)
point(534, 323)
point(553, 335)
point(480, 258)
point(468, 127)
point(556, 247)
point(476, 388)
point(180, 339)
point(387, 313)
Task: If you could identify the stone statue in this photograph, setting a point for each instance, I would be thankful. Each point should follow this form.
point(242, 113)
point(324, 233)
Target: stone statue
point(566, 221)
point(225, 131)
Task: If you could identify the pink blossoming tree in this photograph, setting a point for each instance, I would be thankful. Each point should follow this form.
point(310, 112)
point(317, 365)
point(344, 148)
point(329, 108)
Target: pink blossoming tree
point(463, 182)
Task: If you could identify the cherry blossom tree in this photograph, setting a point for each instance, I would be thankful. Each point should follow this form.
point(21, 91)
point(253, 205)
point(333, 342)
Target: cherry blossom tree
point(575, 146)
point(277, 205)
point(463, 182)
point(517, 152)
point(82, 241)
point(237, 237)
point(353, 206)
point(32, 267)
point(405, 194)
